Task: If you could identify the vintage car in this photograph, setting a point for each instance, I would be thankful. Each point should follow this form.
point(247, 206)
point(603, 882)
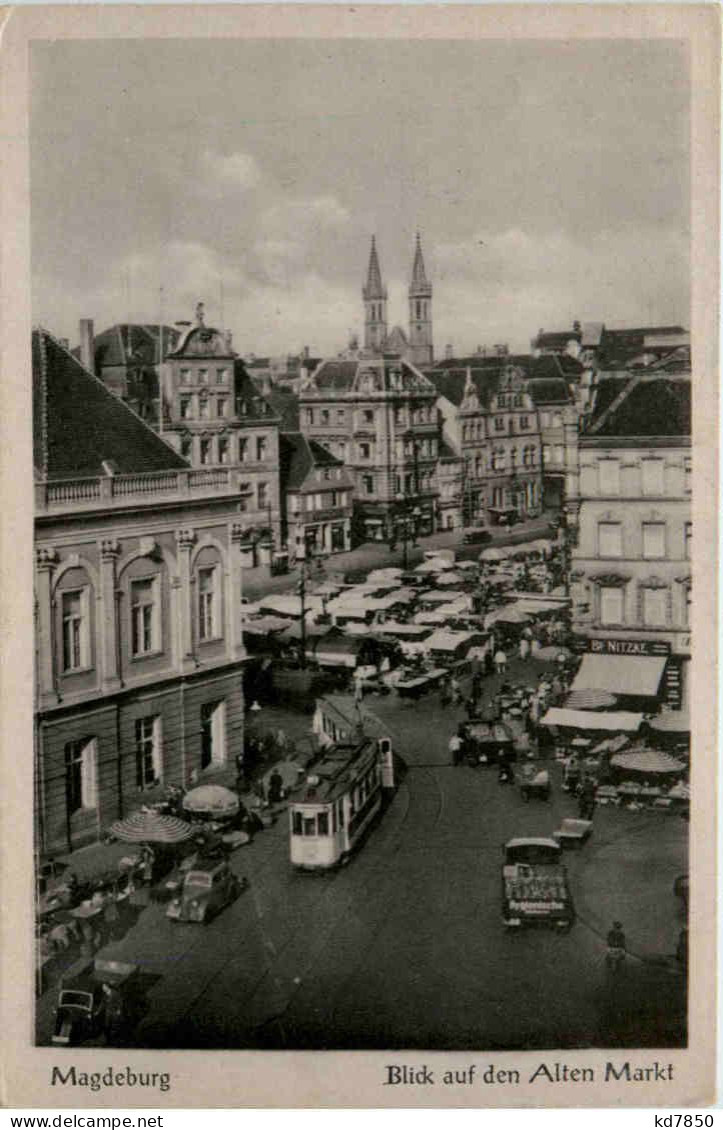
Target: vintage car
point(207, 889)
point(101, 998)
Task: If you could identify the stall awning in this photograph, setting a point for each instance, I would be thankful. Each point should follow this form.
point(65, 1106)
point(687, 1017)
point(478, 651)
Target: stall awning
point(588, 720)
point(637, 675)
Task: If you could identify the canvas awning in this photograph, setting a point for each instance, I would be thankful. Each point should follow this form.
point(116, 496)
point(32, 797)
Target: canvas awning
point(624, 720)
point(637, 675)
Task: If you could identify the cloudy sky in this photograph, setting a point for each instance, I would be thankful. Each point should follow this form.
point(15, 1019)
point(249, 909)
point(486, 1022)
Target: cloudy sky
point(550, 181)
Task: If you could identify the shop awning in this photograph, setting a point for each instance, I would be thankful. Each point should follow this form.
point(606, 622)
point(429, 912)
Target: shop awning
point(637, 675)
point(618, 720)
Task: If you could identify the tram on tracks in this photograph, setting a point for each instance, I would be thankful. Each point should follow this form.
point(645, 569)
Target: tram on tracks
point(340, 798)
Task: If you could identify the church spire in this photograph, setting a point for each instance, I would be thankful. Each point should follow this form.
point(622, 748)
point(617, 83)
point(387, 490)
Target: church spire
point(419, 282)
point(374, 288)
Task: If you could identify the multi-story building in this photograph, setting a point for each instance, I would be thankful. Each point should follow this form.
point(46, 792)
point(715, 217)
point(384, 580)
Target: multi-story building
point(378, 415)
point(215, 417)
point(316, 497)
point(490, 422)
point(138, 581)
point(126, 357)
point(630, 527)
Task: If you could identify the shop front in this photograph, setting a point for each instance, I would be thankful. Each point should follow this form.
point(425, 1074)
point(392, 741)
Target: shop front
point(642, 674)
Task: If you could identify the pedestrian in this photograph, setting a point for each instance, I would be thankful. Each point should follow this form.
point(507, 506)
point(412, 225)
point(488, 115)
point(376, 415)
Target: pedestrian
point(524, 647)
point(455, 748)
point(476, 686)
point(275, 786)
point(358, 685)
point(500, 661)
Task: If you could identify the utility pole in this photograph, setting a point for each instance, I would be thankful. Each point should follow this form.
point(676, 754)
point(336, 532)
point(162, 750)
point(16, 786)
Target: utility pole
point(301, 589)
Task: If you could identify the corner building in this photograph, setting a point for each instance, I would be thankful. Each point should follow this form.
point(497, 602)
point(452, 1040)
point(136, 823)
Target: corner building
point(138, 608)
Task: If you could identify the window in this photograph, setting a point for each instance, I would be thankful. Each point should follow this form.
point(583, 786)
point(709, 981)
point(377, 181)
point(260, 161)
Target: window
point(609, 475)
point(341, 449)
point(186, 447)
point(205, 452)
point(653, 539)
point(654, 608)
point(260, 448)
point(688, 533)
point(546, 453)
point(213, 734)
point(207, 604)
point(334, 498)
point(203, 408)
point(223, 450)
point(221, 376)
point(185, 376)
point(365, 451)
point(545, 419)
point(80, 771)
point(263, 495)
point(368, 482)
point(185, 407)
point(243, 446)
point(499, 423)
point(309, 414)
point(609, 535)
point(296, 824)
point(203, 376)
point(76, 635)
point(325, 416)
point(323, 823)
point(611, 605)
point(653, 476)
point(145, 616)
point(148, 751)
point(340, 415)
point(524, 422)
point(368, 416)
point(559, 453)
point(221, 406)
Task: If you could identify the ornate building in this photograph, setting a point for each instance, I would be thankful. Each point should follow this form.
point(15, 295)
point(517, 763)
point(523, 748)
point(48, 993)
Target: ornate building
point(378, 415)
point(215, 417)
point(137, 607)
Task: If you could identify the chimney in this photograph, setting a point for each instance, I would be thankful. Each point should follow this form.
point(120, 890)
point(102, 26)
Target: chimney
point(87, 352)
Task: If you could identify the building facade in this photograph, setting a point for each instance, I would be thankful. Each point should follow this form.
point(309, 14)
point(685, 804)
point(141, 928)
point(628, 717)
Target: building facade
point(630, 521)
point(316, 498)
point(138, 583)
point(378, 415)
point(215, 417)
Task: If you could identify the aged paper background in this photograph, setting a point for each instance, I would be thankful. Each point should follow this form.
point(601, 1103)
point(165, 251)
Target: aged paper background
point(248, 1079)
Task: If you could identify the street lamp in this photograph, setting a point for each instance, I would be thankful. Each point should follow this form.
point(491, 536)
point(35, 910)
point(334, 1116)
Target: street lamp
point(404, 505)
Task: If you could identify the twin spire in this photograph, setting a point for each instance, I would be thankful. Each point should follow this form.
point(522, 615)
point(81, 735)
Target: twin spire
point(419, 286)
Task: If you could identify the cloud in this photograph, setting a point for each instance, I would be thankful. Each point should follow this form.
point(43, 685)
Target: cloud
point(232, 171)
point(307, 215)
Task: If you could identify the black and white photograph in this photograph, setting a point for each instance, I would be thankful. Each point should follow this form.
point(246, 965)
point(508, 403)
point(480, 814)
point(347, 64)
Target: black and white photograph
point(363, 378)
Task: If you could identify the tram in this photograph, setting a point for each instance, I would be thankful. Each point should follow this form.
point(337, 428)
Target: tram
point(340, 798)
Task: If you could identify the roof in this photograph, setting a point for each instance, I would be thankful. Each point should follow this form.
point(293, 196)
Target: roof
point(336, 375)
point(130, 343)
point(285, 404)
point(592, 333)
point(447, 452)
point(451, 383)
point(374, 288)
point(637, 675)
point(627, 404)
point(299, 456)
point(250, 404)
point(420, 285)
point(593, 720)
point(555, 365)
point(396, 340)
point(78, 424)
point(553, 391)
point(556, 339)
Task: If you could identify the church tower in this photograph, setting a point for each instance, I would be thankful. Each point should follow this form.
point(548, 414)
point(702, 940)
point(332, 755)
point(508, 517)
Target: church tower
point(375, 305)
point(421, 351)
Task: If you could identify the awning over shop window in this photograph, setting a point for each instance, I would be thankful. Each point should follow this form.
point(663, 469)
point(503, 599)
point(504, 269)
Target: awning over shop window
point(616, 720)
point(637, 675)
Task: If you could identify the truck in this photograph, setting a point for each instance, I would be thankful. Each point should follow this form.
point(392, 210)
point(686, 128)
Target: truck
point(534, 885)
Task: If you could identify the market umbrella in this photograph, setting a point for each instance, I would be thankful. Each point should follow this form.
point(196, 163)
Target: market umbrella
point(211, 800)
point(648, 761)
point(492, 553)
point(436, 565)
point(590, 700)
point(148, 827)
point(445, 579)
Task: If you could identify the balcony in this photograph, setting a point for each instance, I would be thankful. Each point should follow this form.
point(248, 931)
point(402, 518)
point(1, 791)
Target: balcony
point(117, 491)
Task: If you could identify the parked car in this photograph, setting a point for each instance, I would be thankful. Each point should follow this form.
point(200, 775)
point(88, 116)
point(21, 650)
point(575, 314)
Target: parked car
point(207, 889)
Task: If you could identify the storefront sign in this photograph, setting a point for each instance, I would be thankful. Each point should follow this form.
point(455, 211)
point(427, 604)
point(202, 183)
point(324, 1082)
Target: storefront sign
point(628, 647)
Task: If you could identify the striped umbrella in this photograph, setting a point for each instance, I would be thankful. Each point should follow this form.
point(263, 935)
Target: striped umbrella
point(151, 828)
point(647, 761)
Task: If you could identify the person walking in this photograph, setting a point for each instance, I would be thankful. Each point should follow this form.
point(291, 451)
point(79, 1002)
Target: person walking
point(524, 647)
point(275, 785)
point(455, 748)
point(500, 661)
